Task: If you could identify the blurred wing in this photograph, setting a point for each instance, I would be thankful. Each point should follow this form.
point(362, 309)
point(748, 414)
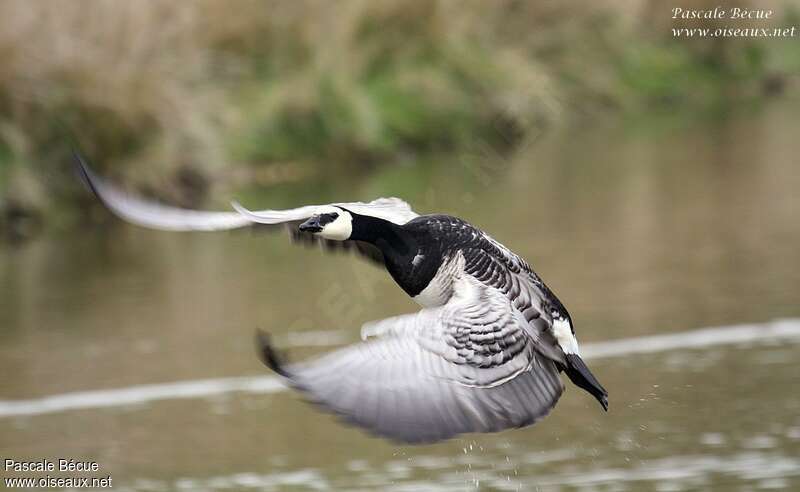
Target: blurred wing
point(364, 250)
point(154, 215)
point(471, 365)
point(392, 209)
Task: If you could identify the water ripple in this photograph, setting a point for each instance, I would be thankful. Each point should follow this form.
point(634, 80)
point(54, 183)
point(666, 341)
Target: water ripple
point(786, 330)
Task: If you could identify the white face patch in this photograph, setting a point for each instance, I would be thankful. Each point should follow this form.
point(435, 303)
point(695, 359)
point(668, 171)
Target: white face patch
point(341, 228)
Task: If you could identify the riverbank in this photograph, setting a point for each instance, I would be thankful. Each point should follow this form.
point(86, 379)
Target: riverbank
point(184, 101)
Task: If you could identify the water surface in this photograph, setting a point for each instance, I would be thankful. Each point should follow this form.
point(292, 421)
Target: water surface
point(642, 232)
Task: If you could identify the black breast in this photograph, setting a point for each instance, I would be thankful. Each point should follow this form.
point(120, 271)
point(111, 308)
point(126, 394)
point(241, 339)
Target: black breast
point(430, 239)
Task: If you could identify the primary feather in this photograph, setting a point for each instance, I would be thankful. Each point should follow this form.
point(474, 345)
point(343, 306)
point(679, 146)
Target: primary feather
point(153, 215)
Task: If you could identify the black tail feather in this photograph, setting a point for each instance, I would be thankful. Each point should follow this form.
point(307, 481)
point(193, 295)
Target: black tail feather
point(582, 377)
point(268, 355)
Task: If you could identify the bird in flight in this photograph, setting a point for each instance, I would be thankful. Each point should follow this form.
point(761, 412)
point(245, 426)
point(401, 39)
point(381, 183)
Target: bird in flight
point(483, 354)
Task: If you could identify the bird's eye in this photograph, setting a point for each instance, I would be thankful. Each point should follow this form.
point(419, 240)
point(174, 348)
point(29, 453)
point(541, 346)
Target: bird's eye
point(327, 218)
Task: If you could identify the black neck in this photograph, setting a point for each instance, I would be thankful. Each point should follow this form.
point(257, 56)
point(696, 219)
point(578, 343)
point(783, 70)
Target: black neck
point(399, 246)
point(389, 237)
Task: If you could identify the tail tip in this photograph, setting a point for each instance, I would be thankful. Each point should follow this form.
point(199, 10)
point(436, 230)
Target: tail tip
point(580, 374)
point(603, 402)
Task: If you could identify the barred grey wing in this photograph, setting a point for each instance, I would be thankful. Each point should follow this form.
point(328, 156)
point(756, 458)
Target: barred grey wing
point(472, 365)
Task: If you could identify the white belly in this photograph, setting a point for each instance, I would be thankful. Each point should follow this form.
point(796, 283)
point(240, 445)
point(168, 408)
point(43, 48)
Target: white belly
point(435, 294)
point(440, 288)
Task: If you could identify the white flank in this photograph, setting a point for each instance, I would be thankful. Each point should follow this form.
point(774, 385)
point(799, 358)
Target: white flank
point(433, 295)
point(439, 289)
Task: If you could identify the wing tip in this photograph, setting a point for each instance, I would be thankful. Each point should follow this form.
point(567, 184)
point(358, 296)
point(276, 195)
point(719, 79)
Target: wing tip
point(268, 355)
point(240, 208)
point(247, 213)
point(82, 169)
point(91, 180)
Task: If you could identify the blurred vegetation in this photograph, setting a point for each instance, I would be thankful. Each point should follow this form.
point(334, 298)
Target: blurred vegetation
point(172, 97)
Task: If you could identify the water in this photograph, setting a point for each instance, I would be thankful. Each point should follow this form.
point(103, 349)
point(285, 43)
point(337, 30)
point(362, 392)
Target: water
point(134, 348)
point(780, 331)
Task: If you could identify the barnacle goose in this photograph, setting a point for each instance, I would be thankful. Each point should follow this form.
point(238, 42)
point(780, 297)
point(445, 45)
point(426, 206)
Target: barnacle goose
point(484, 354)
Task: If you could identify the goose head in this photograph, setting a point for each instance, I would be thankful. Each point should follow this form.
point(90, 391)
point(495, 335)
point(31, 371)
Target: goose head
point(331, 222)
